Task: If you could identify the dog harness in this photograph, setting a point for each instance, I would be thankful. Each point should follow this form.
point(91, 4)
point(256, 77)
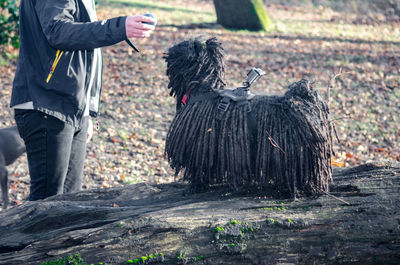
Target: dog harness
point(240, 96)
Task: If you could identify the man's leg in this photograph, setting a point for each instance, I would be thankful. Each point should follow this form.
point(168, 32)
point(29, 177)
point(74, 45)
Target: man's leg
point(73, 181)
point(3, 183)
point(48, 144)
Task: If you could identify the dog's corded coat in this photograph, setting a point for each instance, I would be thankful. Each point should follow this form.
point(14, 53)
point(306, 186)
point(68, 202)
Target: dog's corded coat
point(283, 144)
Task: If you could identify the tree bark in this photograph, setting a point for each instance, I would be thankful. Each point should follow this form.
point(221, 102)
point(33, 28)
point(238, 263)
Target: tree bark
point(242, 14)
point(358, 222)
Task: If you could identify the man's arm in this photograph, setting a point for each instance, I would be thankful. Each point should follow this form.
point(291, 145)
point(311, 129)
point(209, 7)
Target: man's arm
point(62, 32)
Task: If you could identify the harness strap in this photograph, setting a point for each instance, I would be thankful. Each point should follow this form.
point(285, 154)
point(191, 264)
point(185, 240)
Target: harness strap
point(206, 96)
point(223, 105)
point(252, 123)
point(229, 96)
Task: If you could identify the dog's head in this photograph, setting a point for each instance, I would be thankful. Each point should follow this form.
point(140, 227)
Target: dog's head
point(194, 65)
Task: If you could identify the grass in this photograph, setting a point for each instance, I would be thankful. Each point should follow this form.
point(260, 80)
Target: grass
point(69, 260)
point(296, 24)
point(383, 32)
point(148, 4)
point(167, 12)
point(320, 28)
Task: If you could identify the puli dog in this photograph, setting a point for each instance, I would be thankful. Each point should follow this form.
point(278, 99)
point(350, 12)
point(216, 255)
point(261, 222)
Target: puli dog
point(220, 136)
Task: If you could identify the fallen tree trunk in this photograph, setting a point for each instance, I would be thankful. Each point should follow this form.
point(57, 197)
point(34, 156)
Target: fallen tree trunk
point(357, 222)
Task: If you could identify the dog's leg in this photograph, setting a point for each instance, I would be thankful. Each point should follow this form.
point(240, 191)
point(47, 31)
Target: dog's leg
point(4, 186)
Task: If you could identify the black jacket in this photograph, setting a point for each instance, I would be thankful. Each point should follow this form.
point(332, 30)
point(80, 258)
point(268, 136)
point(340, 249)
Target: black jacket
point(57, 42)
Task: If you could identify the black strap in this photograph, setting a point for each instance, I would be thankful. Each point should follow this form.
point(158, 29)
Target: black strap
point(224, 104)
point(205, 96)
point(252, 123)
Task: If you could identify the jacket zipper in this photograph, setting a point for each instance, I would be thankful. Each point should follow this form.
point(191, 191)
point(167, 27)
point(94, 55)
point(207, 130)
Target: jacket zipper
point(53, 67)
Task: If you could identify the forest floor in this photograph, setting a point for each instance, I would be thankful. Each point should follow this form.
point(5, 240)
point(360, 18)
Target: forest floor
point(357, 56)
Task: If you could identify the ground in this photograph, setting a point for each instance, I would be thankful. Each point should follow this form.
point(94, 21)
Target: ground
point(361, 51)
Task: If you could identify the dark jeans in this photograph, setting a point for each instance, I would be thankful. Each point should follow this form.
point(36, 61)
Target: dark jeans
point(56, 153)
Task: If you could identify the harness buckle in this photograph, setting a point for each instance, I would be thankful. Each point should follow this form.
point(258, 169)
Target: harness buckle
point(224, 104)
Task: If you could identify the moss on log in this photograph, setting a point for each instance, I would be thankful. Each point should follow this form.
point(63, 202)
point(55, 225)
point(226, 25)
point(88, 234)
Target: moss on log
point(357, 223)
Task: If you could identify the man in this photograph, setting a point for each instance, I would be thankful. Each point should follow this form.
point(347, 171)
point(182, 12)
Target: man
point(57, 85)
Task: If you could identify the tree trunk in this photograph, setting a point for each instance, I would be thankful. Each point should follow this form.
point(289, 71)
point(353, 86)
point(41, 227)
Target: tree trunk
point(242, 14)
point(357, 223)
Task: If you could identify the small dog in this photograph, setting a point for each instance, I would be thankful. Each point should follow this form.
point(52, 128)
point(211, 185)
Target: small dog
point(232, 137)
point(11, 147)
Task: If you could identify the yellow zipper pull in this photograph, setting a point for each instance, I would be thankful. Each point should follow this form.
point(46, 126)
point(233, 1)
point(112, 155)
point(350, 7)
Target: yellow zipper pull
point(53, 67)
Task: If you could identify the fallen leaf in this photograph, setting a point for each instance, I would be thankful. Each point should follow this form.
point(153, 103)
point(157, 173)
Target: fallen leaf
point(380, 150)
point(337, 164)
point(114, 139)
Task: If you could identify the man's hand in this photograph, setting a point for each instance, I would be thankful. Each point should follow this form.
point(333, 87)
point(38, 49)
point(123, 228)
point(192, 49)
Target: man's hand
point(136, 29)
